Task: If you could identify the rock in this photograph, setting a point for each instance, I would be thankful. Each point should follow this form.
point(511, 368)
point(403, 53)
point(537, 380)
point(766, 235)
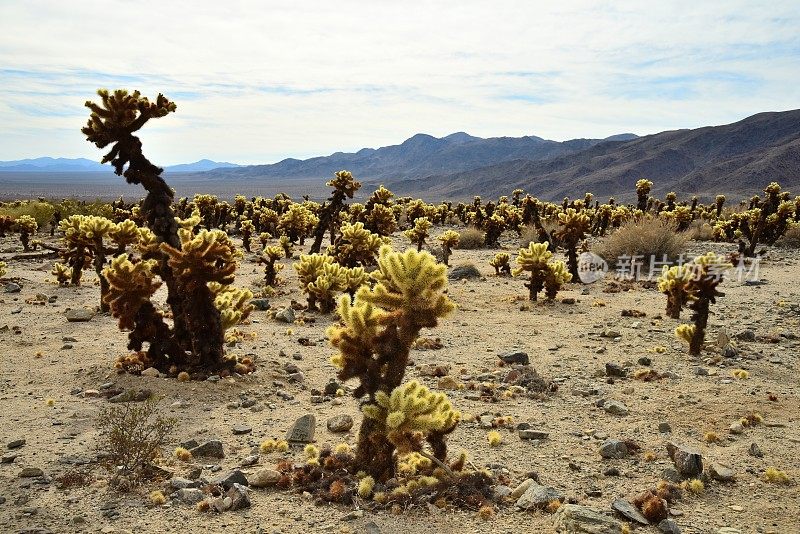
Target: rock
point(614, 369)
point(629, 511)
point(285, 315)
point(79, 315)
point(448, 383)
point(613, 448)
point(340, 423)
point(260, 304)
point(238, 494)
point(352, 516)
point(537, 497)
point(331, 387)
point(132, 395)
point(615, 407)
point(151, 372)
point(727, 530)
point(521, 488)
point(8, 458)
point(190, 495)
point(668, 526)
point(249, 460)
point(179, 483)
point(736, 428)
point(671, 475)
point(611, 472)
point(264, 478)
point(462, 272)
point(230, 478)
point(501, 492)
point(729, 351)
point(16, 444)
point(746, 335)
point(610, 333)
point(644, 360)
point(755, 451)
point(515, 356)
point(11, 287)
point(721, 472)
point(576, 519)
point(31, 472)
point(688, 461)
point(302, 430)
point(221, 504)
point(296, 378)
point(240, 429)
point(532, 433)
point(664, 428)
point(211, 448)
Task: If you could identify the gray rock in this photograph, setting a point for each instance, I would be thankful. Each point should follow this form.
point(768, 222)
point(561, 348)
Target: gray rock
point(537, 497)
point(521, 488)
point(629, 511)
point(688, 461)
point(151, 372)
point(736, 428)
point(8, 458)
point(211, 449)
point(462, 272)
point(249, 460)
point(179, 483)
point(260, 304)
point(12, 287)
point(31, 472)
point(515, 356)
point(614, 369)
point(132, 395)
point(613, 448)
point(264, 478)
point(340, 423)
point(755, 451)
point(615, 407)
point(238, 494)
point(285, 315)
point(190, 495)
point(303, 430)
point(576, 519)
point(664, 428)
point(16, 444)
point(501, 492)
point(230, 478)
point(79, 315)
point(533, 433)
point(721, 472)
point(668, 526)
point(240, 429)
point(671, 475)
point(296, 378)
point(746, 335)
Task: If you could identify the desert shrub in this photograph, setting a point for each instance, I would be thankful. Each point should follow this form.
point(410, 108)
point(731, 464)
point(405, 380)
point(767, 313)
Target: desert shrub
point(790, 239)
point(530, 234)
point(471, 239)
point(644, 237)
point(131, 436)
point(701, 231)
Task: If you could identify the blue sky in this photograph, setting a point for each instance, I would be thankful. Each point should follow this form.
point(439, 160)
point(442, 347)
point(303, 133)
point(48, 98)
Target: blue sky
point(256, 82)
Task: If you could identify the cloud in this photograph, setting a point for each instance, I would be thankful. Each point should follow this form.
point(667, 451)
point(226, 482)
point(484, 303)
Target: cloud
point(259, 81)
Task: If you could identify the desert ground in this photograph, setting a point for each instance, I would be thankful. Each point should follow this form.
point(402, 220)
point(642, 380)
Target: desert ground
point(53, 374)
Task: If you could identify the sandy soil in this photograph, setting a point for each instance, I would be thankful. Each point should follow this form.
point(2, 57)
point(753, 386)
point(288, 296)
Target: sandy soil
point(564, 343)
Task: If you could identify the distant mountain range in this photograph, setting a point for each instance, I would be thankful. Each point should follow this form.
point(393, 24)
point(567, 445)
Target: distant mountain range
point(87, 165)
point(739, 159)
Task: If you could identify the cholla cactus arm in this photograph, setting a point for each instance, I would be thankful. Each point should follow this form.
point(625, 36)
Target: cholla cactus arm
point(674, 283)
point(130, 286)
point(331, 281)
point(232, 302)
point(26, 226)
point(271, 269)
point(419, 233)
point(3, 270)
point(123, 234)
point(62, 274)
point(309, 268)
point(643, 188)
point(449, 241)
point(706, 274)
point(574, 225)
point(557, 275)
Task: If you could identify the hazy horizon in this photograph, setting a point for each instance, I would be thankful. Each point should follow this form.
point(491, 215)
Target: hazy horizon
point(258, 84)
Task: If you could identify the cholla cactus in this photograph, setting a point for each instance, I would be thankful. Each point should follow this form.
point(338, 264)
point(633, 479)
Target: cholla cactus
point(379, 327)
point(232, 302)
point(674, 283)
point(286, 245)
point(344, 185)
point(574, 225)
point(493, 228)
point(381, 220)
point(3, 270)
point(296, 224)
point(25, 226)
point(271, 268)
point(643, 188)
point(310, 267)
point(449, 240)
point(706, 274)
point(330, 281)
point(246, 229)
point(356, 246)
point(534, 260)
point(556, 276)
point(79, 246)
point(419, 233)
point(62, 274)
point(500, 263)
point(123, 234)
point(264, 238)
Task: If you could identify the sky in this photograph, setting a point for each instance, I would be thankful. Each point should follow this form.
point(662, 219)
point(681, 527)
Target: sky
point(259, 81)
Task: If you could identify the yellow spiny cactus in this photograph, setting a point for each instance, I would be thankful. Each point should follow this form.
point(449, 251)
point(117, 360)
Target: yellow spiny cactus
point(130, 286)
point(209, 256)
point(331, 281)
point(534, 260)
point(26, 223)
point(449, 240)
point(501, 264)
point(62, 273)
point(344, 182)
point(232, 302)
point(270, 256)
point(674, 282)
point(412, 408)
point(354, 279)
point(3, 270)
point(357, 245)
point(360, 322)
point(124, 233)
point(557, 275)
point(190, 222)
point(381, 220)
point(297, 223)
point(685, 332)
point(419, 233)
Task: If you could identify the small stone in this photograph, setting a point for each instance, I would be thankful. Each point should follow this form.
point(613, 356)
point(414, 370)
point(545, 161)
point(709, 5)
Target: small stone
point(264, 478)
point(501, 492)
point(132, 395)
point(462, 272)
point(532, 433)
point(746, 335)
point(238, 494)
point(521, 488)
point(688, 461)
point(211, 448)
point(151, 372)
point(8, 458)
point(190, 495)
point(610, 333)
point(629, 511)
point(16, 444)
point(755, 451)
point(230, 478)
point(249, 460)
point(340, 423)
point(644, 360)
point(577, 519)
point(285, 315)
point(668, 526)
point(221, 504)
point(260, 304)
point(79, 315)
point(721, 472)
point(615, 407)
point(352, 516)
point(611, 472)
point(302, 430)
point(664, 428)
point(515, 356)
point(537, 497)
point(448, 383)
point(331, 387)
point(296, 378)
point(11, 287)
point(31, 472)
point(240, 429)
point(182, 483)
point(614, 369)
point(736, 428)
point(613, 448)
point(671, 474)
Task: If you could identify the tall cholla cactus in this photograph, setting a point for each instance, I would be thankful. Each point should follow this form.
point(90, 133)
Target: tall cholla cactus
point(449, 240)
point(246, 228)
point(356, 245)
point(545, 274)
point(379, 327)
point(419, 233)
point(271, 269)
point(25, 226)
point(643, 188)
point(344, 186)
point(674, 283)
point(706, 274)
point(3, 266)
point(574, 225)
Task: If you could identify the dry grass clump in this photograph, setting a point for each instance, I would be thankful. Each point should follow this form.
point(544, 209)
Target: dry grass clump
point(471, 239)
point(791, 239)
point(701, 231)
point(644, 237)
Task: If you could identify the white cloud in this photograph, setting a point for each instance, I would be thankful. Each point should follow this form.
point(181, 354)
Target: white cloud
point(259, 81)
